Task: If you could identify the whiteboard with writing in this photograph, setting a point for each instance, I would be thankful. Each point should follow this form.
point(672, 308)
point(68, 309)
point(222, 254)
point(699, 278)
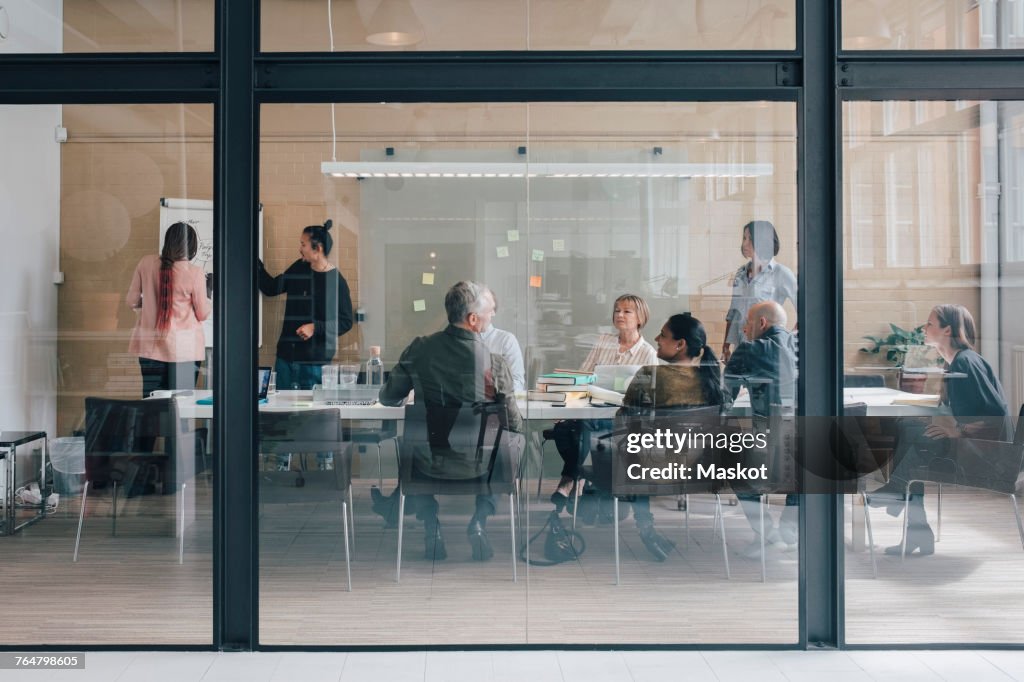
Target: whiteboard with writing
point(199, 214)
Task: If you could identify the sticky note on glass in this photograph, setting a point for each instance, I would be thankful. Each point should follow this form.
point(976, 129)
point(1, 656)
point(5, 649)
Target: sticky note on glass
point(558, 245)
point(535, 281)
point(513, 235)
point(428, 278)
point(419, 305)
point(502, 252)
point(538, 255)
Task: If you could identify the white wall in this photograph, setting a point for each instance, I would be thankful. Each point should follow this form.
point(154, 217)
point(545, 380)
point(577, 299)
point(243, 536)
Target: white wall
point(35, 26)
point(29, 238)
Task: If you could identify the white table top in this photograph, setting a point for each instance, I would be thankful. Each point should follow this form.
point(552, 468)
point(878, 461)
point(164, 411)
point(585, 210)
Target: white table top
point(878, 400)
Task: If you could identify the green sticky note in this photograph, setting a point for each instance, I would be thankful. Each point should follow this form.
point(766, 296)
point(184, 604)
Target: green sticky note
point(538, 255)
point(513, 235)
point(419, 305)
point(428, 278)
point(502, 251)
point(558, 245)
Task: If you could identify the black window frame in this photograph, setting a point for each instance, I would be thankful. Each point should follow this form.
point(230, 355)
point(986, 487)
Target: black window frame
point(237, 79)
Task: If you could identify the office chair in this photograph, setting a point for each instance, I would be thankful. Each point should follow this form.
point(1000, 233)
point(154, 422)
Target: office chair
point(610, 462)
point(315, 431)
point(991, 465)
point(126, 430)
point(483, 458)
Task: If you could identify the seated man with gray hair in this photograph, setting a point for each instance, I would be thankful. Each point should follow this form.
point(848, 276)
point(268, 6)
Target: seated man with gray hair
point(454, 367)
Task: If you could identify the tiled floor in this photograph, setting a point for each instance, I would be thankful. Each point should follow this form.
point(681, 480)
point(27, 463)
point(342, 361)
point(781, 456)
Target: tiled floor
point(542, 666)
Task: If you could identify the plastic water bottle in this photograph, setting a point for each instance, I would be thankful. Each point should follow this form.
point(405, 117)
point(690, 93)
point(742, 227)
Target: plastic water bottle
point(375, 368)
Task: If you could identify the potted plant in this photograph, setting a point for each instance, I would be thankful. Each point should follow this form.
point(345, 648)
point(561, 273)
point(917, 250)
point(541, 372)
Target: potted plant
point(897, 344)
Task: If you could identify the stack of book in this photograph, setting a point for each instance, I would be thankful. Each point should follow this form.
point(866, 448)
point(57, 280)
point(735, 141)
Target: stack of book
point(561, 385)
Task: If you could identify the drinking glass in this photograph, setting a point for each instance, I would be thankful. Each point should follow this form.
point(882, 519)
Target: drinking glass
point(349, 374)
point(329, 376)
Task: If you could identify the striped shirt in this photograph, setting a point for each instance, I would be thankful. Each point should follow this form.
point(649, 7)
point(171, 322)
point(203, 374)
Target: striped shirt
point(606, 352)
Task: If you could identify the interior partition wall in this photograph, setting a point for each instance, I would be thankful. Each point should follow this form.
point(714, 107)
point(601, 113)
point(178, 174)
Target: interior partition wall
point(796, 60)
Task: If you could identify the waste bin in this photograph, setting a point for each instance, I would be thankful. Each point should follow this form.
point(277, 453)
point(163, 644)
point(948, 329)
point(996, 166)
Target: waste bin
point(67, 457)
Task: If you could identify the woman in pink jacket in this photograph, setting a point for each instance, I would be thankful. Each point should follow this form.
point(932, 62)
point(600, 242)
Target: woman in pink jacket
point(171, 298)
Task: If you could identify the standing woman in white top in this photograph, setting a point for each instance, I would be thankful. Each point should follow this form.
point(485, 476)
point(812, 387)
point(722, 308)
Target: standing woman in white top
point(626, 347)
point(761, 279)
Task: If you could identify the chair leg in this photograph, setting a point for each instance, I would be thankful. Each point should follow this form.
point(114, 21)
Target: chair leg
point(906, 522)
point(512, 527)
point(401, 528)
point(1016, 512)
point(113, 518)
point(540, 473)
point(181, 523)
point(714, 521)
point(871, 535)
point(760, 511)
point(615, 530)
point(344, 530)
point(725, 548)
point(938, 529)
point(686, 519)
point(352, 515)
point(85, 496)
point(576, 500)
point(380, 471)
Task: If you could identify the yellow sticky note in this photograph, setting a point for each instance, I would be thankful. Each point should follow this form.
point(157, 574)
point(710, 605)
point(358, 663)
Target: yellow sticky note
point(419, 305)
point(513, 235)
point(538, 255)
point(535, 281)
point(428, 278)
point(502, 252)
point(558, 245)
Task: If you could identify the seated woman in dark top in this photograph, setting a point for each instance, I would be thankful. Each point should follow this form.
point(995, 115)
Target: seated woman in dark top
point(692, 378)
point(978, 405)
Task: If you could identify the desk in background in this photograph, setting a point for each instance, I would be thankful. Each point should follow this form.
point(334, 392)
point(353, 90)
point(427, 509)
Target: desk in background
point(10, 441)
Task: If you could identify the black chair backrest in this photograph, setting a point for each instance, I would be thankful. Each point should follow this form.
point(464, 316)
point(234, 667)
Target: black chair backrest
point(863, 381)
point(300, 431)
point(119, 426)
point(457, 448)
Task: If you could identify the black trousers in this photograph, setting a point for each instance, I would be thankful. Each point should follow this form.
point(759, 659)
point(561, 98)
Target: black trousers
point(162, 376)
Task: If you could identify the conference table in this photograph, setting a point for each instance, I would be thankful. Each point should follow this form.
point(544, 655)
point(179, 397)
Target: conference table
point(880, 402)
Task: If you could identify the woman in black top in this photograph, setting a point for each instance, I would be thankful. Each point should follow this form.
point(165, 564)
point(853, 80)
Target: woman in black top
point(978, 406)
point(317, 312)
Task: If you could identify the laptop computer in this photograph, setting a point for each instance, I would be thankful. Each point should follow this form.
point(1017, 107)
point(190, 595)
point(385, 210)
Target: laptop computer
point(262, 387)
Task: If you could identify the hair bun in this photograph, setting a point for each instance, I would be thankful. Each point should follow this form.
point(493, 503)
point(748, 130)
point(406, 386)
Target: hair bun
point(328, 223)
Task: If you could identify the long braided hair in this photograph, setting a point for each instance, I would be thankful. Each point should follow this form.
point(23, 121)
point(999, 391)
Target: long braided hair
point(180, 243)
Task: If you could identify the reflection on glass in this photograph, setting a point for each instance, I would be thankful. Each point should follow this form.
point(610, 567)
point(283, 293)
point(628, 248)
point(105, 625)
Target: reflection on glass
point(55, 26)
point(598, 238)
point(119, 218)
point(931, 266)
point(528, 25)
point(931, 25)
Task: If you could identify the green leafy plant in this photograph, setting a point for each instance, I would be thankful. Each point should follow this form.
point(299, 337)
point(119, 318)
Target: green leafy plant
point(896, 344)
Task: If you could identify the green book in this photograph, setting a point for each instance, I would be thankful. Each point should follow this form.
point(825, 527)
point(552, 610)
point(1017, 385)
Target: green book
point(565, 378)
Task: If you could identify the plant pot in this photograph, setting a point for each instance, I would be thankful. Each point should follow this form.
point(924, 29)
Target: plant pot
point(912, 382)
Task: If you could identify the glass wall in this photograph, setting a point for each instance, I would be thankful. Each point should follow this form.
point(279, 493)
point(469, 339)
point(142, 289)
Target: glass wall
point(932, 25)
point(932, 346)
point(558, 209)
point(90, 26)
point(119, 548)
point(418, 25)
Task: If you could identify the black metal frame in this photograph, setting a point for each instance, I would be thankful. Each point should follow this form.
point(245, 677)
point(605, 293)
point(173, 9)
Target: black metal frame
point(237, 78)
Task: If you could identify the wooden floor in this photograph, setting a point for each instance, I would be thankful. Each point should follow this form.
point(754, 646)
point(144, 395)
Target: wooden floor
point(130, 589)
